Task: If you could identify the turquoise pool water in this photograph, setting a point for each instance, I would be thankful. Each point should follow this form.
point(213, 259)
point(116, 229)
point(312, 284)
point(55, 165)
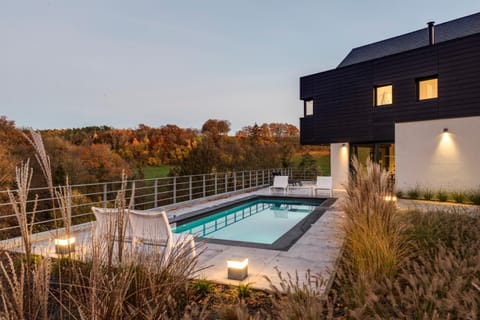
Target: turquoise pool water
point(259, 221)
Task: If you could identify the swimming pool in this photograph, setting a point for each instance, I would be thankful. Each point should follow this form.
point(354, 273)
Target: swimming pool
point(262, 222)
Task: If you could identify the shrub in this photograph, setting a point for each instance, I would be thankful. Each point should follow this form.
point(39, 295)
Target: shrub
point(399, 194)
point(474, 196)
point(244, 290)
point(459, 196)
point(414, 193)
point(442, 196)
point(201, 288)
point(428, 194)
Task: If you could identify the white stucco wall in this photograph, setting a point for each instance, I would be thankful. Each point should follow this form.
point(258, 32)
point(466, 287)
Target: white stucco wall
point(428, 157)
point(339, 159)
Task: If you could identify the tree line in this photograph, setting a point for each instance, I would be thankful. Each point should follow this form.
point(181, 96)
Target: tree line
point(100, 153)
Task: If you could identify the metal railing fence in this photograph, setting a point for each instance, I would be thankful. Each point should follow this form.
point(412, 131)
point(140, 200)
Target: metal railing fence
point(147, 194)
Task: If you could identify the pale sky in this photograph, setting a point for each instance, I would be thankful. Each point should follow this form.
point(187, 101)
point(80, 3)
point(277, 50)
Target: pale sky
point(66, 64)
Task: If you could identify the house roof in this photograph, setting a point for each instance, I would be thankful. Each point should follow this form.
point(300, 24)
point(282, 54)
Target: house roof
point(443, 32)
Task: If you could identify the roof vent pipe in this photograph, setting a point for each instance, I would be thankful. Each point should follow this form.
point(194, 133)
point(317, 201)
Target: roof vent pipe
point(431, 32)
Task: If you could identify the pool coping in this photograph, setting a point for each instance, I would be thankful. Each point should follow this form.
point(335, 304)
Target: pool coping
point(284, 243)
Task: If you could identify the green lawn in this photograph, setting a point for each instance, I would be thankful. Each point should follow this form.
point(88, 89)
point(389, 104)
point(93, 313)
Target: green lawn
point(156, 172)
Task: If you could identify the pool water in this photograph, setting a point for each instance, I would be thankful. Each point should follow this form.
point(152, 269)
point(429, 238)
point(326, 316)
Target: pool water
point(259, 221)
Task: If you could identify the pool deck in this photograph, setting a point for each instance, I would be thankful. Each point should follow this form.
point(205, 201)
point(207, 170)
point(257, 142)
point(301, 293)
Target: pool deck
point(316, 252)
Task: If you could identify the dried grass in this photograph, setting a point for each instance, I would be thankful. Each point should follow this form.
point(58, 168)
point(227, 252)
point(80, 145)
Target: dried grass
point(116, 283)
point(374, 240)
point(19, 201)
point(301, 298)
point(22, 295)
point(42, 158)
point(12, 289)
point(436, 278)
point(110, 283)
point(64, 198)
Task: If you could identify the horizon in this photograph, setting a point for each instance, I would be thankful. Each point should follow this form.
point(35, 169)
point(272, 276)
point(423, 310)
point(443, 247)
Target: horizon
point(139, 124)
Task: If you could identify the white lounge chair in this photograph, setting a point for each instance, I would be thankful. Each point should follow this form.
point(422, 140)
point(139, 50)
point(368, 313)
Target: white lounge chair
point(324, 183)
point(152, 227)
point(280, 182)
point(107, 224)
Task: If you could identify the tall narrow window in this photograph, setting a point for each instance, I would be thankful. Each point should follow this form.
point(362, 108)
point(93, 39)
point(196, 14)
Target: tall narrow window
point(309, 107)
point(383, 95)
point(428, 89)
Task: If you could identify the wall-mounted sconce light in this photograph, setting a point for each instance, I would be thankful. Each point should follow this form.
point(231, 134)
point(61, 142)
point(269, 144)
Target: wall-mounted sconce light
point(344, 144)
point(445, 130)
point(237, 269)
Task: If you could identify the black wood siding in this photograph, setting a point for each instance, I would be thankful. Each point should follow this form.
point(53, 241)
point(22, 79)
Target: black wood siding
point(343, 97)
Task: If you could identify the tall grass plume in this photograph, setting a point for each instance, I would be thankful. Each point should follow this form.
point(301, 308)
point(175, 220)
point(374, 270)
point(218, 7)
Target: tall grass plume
point(374, 240)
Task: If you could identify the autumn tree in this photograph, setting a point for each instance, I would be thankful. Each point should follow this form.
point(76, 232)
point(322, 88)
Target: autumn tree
point(102, 163)
point(253, 147)
point(216, 127)
point(65, 161)
point(12, 144)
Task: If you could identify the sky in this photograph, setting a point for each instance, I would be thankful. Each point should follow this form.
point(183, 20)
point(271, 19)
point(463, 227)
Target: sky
point(70, 64)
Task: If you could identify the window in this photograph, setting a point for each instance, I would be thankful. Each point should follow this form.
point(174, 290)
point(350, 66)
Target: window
point(308, 107)
point(383, 95)
point(428, 89)
point(381, 153)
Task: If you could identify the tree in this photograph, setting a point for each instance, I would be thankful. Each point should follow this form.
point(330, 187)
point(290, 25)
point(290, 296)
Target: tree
point(12, 144)
point(307, 162)
point(102, 163)
point(65, 161)
point(216, 127)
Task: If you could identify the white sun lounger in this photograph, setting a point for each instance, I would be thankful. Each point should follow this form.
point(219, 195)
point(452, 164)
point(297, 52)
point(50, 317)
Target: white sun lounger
point(152, 228)
point(280, 182)
point(324, 183)
point(107, 224)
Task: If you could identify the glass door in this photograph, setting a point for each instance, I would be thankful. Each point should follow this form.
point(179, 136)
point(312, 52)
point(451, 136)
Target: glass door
point(386, 157)
point(363, 152)
point(381, 153)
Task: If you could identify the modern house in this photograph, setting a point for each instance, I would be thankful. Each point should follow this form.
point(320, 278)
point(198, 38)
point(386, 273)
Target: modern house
point(411, 103)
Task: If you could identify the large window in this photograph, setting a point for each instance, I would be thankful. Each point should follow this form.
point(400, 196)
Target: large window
point(381, 153)
point(428, 89)
point(383, 95)
point(308, 107)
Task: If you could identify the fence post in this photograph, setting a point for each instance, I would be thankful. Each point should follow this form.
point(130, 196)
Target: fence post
point(226, 183)
point(104, 195)
point(256, 178)
point(243, 179)
point(132, 195)
point(216, 178)
point(155, 193)
point(234, 181)
point(69, 202)
point(190, 187)
point(250, 179)
point(174, 189)
point(263, 177)
point(204, 194)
